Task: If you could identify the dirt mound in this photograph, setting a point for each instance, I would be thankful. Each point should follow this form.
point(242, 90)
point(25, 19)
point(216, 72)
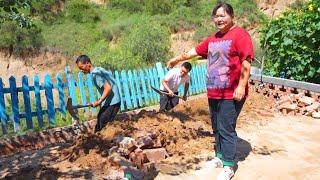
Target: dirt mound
point(185, 133)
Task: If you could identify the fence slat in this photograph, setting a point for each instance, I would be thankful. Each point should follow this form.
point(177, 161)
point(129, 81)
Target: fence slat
point(48, 86)
point(91, 91)
point(132, 89)
point(71, 86)
point(151, 83)
point(38, 100)
point(198, 79)
point(156, 82)
point(82, 90)
point(117, 77)
point(126, 89)
point(26, 100)
point(138, 87)
point(195, 79)
point(3, 113)
point(193, 82)
point(144, 87)
point(14, 103)
point(62, 103)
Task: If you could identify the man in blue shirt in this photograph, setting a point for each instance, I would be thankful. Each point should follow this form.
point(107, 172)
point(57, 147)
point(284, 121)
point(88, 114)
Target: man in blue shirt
point(108, 89)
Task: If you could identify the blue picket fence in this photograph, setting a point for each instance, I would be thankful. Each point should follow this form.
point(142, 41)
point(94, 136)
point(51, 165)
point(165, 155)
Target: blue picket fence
point(45, 100)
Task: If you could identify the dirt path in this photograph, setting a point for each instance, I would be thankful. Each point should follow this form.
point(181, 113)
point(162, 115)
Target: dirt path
point(284, 148)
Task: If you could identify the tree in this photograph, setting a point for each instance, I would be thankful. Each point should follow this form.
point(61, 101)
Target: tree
point(15, 10)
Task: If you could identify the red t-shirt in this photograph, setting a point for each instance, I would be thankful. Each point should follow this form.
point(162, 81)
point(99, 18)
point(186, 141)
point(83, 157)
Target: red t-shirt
point(225, 54)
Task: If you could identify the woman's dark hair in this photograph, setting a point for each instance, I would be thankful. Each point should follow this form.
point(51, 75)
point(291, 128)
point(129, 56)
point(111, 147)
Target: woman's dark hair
point(227, 7)
point(187, 65)
point(83, 59)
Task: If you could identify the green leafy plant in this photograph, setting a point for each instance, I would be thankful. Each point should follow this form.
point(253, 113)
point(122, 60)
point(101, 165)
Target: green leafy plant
point(81, 11)
point(18, 40)
point(293, 44)
point(150, 41)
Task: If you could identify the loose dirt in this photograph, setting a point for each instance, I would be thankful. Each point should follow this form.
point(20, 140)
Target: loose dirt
point(278, 147)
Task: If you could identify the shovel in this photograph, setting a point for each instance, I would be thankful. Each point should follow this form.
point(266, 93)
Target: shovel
point(73, 110)
point(161, 92)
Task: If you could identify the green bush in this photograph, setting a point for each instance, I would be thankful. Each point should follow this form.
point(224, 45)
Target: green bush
point(146, 44)
point(180, 19)
point(113, 58)
point(46, 10)
point(106, 33)
point(129, 5)
point(203, 32)
point(293, 42)
point(70, 37)
point(81, 11)
point(159, 7)
point(20, 41)
point(150, 41)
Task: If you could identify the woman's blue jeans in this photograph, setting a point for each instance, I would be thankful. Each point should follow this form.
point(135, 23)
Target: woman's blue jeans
point(224, 114)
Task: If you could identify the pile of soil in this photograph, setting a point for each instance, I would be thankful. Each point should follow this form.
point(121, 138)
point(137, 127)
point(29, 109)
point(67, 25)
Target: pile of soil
point(185, 133)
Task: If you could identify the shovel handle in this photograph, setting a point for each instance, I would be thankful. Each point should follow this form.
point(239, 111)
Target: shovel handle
point(82, 106)
point(172, 95)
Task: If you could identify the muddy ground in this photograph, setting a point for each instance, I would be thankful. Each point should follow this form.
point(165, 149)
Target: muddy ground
point(269, 146)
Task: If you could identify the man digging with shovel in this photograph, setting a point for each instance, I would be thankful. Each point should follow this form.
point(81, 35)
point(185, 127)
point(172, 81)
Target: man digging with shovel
point(107, 87)
point(169, 86)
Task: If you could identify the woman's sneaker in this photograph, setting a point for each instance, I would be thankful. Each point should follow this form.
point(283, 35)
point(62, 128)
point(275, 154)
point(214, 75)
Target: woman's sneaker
point(226, 174)
point(214, 163)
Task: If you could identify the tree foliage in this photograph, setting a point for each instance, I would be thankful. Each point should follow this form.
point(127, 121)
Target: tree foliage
point(293, 44)
point(16, 10)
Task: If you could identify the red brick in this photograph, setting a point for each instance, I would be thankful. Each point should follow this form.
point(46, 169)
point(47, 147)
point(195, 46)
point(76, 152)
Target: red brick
point(155, 155)
point(145, 142)
point(139, 159)
point(312, 107)
point(306, 100)
point(265, 113)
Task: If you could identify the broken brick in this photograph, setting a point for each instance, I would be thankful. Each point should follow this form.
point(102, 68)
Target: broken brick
point(312, 107)
point(316, 115)
point(265, 113)
point(155, 155)
point(306, 100)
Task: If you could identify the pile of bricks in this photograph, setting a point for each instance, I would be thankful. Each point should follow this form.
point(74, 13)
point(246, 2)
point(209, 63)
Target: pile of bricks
point(142, 150)
point(299, 104)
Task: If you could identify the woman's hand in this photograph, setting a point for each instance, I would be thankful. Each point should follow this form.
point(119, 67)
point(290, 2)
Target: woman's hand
point(239, 93)
point(172, 62)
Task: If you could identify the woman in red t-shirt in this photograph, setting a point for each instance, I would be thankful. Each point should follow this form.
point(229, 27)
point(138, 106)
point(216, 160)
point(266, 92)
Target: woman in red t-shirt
point(230, 53)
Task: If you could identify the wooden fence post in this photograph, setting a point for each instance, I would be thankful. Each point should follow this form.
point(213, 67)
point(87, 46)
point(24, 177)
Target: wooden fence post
point(137, 83)
point(14, 103)
point(120, 85)
point(26, 100)
point(3, 113)
point(144, 87)
point(62, 103)
point(50, 103)
point(126, 89)
point(38, 100)
point(132, 89)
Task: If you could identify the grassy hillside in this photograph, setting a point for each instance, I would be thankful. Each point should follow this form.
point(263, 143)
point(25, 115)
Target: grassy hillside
point(121, 33)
